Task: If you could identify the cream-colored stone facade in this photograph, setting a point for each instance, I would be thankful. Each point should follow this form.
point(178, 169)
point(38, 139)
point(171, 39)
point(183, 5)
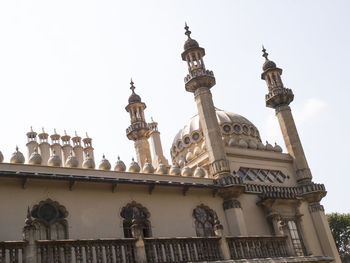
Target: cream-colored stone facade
point(227, 196)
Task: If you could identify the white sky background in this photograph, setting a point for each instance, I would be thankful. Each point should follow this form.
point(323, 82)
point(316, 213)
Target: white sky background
point(67, 65)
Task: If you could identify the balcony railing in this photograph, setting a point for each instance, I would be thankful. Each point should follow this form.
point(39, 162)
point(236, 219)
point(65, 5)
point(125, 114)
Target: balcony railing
point(258, 247)
point(190, 249)
point(12, 251)
point(87, 250)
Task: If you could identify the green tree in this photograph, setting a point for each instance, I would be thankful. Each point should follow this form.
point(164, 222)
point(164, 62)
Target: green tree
point(340, 227)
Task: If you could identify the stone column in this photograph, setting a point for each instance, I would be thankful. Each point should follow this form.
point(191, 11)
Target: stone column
point(293, 143)
point(224, 248)
point(235, 218)
point(140, 250)
point(211, 131)
point(323, 231)
point(157, 149)
point(142, 151)
point(30, 255)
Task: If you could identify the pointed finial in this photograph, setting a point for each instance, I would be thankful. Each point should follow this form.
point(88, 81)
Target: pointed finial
point(265, 54)
point(118, 158)
point(16, 148)
point(31, 128)
point(87, 136)
point(65, 132)
point(103, 156)
point(132, 87)
point(36, 149)
point(42, 128)
point(76, 134)
point(54, 130)
point(132, 159)
point(188, 32)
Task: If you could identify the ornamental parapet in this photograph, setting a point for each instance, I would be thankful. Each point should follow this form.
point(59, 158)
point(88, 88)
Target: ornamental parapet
point(279, 96)
point(199, 78)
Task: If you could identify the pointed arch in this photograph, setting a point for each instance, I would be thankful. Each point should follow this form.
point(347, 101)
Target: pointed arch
point(136, 211)
point(204, 220)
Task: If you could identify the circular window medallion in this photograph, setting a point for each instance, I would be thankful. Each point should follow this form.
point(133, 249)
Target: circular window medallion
point(195, 136)
point(237, 128)
point(245, 129)
point(227, 128)
point(187, 140)
point(179, 145)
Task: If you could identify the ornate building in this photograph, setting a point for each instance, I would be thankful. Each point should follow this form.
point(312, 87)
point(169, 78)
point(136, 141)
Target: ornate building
point(227, 196)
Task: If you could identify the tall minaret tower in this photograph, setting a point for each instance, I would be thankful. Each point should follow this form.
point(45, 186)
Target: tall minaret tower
point(157, 149)
point(199, 81)
point(138, 131)
point(279, 99)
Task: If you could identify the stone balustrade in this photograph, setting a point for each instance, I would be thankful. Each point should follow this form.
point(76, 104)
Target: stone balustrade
point(12, 251)
point(87, 250)
point(182, 249)
point(257, 247)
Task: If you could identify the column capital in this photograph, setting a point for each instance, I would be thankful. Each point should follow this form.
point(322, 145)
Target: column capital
point(232, 203)
point(316, 207)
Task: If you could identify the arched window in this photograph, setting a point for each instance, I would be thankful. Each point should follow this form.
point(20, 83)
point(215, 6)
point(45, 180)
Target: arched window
point(204, 221)
point(136, 211)
point(49, 220)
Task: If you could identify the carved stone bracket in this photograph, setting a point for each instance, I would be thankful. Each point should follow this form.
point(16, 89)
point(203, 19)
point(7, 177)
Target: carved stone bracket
point(315, 207)
point(228, 204)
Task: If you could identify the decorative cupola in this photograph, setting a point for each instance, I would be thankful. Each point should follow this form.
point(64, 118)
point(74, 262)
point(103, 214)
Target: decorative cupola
point(199, 172)
point(199, 81)
point(162, 168)
point(119, 166)
point(32, 142)
point(134, 167)
point(44, 146)
point(104, 164)
point(66, 146)
point(78, 149)
point(138, 131)
point(56, 145)
point(157, 149)
point(175, 169)
point(72, 161)
point(35, 158)
point(148, 168)
point(88, 163)
point(88, 149)
point(279, 98)
point(55, 159)
point(17, 157)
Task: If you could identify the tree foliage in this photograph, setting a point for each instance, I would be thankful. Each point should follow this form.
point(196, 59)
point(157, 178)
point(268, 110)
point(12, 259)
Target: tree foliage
point(340, 227)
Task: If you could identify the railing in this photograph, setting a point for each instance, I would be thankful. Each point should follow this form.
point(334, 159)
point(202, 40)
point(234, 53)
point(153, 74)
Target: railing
point(257, 247)
point(86, 251)
point(12, 251)
point(182, 249)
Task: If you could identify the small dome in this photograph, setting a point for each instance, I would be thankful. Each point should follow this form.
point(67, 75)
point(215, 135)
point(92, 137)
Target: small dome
point(17, 157)
point(277, 148)
point(54, 159)
point(175, 169)
point(197, 151)
point(104, 164)
point(186, 171)
point(242, 143)
point(162, 169)
point(89, 163)
point(268, 146)
point(252, 144)
point(1, 157)
point(134, 167)
point(72, 161)
point(268, 65)
point(190, 43)
point(119, 166)
point(148, 168)
point(261, 146)
point(134, 98)
point(189, 156)
point(199, 172)
point(35, 158)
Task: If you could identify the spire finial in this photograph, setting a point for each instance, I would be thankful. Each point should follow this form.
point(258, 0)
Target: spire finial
point(188, 32)
point(265, 54)
point(65, 132)
point(76, 134)
point(132, 87)
point(42, 128)
point(31, 128)
point(54, 130)
point(87, 136)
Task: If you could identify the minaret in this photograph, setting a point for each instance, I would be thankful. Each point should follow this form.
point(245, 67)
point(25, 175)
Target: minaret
point(44, 146)
point(279, 99)
point(78, 149)
point(157, 149)
point(138, 131)
point(55, 144)
point(199, 81)
point(88, 149)
point(32, 142)
point(66, 147)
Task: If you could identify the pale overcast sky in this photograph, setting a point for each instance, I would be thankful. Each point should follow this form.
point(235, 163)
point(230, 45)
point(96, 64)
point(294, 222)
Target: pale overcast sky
point(67, 65)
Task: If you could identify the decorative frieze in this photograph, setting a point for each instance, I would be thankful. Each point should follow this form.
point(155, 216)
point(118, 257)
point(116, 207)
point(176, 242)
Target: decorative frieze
point(228, 204)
